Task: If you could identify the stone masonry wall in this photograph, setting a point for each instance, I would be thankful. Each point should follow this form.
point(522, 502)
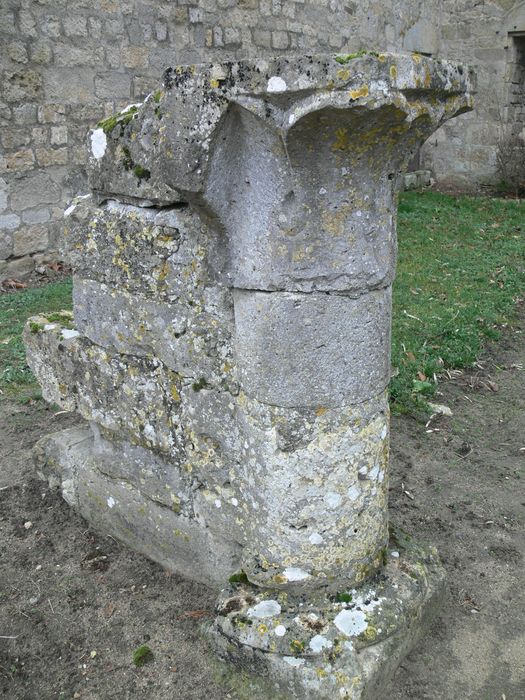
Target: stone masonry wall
point(463, 152)
point(68, 64)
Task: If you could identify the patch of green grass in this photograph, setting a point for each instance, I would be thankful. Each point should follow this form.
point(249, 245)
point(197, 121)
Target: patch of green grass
point(142, 655)
point(461, 269)
point(16, 378)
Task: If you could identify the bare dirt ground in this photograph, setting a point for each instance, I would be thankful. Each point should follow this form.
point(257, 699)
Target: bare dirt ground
point(77, 604)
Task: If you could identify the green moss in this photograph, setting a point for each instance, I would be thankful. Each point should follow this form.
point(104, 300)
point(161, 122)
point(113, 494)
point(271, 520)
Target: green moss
point(64, 318)
point(141, 173)
point(122, 118)
point(142, 655)
point(296, 646)
point(199, 384)
point(239, 577)
point(35, 327)
point(347, 57)
point(127, 161)
point(157, 95)
point(343, 597)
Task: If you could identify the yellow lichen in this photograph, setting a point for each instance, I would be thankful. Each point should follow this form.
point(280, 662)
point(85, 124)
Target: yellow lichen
point(360, 92)
point(342, 141)
point(343, 73)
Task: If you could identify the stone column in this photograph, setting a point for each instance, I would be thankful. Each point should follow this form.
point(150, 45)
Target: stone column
point(259, 303)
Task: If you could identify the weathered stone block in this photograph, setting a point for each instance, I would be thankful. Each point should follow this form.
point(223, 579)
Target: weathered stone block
point(6, 243)
point(191, 340)
point(21, 85)
point(34, 189)
point(312, 349)
point(159, 254)
point(113, 84)
point(139, 499)
point(51, 156)
point(328, 648)
point(19, 268)
point(9, 222)
point(19, 160)
point(36, 216)
point(30, 239)
point(58, 86)
point(135, 397)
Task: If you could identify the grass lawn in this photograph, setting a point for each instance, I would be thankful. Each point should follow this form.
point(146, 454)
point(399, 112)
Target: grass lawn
point(16, 379)
point(461, 270)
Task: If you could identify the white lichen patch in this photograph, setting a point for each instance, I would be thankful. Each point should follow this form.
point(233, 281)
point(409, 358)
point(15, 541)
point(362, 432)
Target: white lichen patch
point(69, 210)
point(292, 661)
point(266, 608)
point(318, 643)
point(351, 622)
point(111, 502)
point(276, 84)
point(353, 493)
point(280, 631)
point(68, 333)
point(315, 538)
point(295, 574)
point(332, 499)
point(98, 143)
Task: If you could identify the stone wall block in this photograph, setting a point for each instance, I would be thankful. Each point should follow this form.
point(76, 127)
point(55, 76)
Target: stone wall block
point(33, 189)
point(143, 513)
point(58, 86)
point(6, 242)
point(4, 190)
point(51, 156)
point(18, 161)
point(20, 86)
point(136, 398)
point(112, 84)
point(30, 239)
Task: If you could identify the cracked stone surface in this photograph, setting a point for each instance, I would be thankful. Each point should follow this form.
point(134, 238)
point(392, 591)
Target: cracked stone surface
point(231, 338)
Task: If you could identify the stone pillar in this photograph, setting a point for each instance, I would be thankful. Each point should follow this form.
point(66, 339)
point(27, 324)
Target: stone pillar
point(232, 352)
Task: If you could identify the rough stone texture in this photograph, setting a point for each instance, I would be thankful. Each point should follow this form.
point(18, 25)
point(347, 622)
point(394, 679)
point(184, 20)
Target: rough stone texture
point(98, 478)
point(231, 348)
point(68, 67)
point(342, 646)
point(292, 348)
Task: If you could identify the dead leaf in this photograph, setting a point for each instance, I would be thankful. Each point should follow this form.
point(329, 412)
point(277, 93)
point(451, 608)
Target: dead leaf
point(109, 609)
point(14, 284)
point(411, 356)
point(422, 376)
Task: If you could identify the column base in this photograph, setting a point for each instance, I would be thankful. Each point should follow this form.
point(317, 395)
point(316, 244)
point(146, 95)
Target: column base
point(343, 646)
